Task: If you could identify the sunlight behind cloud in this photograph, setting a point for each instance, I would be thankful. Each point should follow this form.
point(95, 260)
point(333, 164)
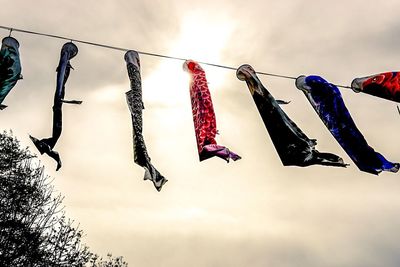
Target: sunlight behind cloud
point(201, 40)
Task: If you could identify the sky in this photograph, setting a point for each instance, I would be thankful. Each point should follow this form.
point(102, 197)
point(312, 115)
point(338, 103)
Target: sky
point(252, 212)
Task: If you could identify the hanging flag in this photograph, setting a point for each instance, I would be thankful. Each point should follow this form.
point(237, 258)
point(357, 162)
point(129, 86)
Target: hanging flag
point(46, 145)
point(203, 115)
point(10, 67)
point(327, 101)
point(135, 104)
point(385, 85)
point(292, 145)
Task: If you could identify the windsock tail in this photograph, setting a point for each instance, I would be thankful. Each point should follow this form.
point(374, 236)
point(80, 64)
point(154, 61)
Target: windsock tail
point(155, 176)
point(222, 152)
point(328, 159)
point(43, 147)
point(282, 102)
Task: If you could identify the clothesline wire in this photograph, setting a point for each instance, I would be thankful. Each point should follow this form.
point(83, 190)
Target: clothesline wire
point(143, 53)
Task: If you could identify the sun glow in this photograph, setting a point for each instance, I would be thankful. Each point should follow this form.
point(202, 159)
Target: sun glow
point(200, 40)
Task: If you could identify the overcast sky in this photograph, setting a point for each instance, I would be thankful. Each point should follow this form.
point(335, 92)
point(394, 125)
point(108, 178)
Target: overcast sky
point(252, 212)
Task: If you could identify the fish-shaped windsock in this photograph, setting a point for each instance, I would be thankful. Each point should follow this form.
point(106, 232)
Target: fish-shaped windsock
point(205, 124)
point(10, 67)
point(46, 145)
point(135, 104)
point(292, 145)
point(385, 85)
point(327, 101)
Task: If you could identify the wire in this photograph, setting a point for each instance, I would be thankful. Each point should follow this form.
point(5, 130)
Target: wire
point(145, 53)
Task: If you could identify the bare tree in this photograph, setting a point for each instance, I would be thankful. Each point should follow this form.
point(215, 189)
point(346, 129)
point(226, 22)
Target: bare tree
point(33, 228)
point(109, 262)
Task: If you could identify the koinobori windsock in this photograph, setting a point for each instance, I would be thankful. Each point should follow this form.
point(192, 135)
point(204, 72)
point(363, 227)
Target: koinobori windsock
point(135, 104)
point(203, 115)
point(384, 85)
point(10, 67)
point(292, 145)
point(327, 101)
point(46, 145)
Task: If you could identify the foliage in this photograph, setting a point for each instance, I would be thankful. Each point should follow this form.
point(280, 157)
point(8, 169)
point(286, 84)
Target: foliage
point(34, 230)
point(109, 262)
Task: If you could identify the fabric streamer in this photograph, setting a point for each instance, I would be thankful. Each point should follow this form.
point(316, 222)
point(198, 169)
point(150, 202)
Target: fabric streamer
point(203, 115)
point(292, 145)
point(327, 101)
point(385, 85)
point(10, 67)
point(46, 145)
point(135, 104)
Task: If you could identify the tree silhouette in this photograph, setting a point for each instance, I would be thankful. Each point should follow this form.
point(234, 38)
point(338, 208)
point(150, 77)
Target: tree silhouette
point(33, 228)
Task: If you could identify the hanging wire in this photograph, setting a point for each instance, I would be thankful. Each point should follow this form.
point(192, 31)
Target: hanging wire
point(11, 29)
point(146, 53)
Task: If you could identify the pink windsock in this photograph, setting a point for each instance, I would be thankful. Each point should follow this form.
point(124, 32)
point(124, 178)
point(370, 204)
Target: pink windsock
point(205, 125)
